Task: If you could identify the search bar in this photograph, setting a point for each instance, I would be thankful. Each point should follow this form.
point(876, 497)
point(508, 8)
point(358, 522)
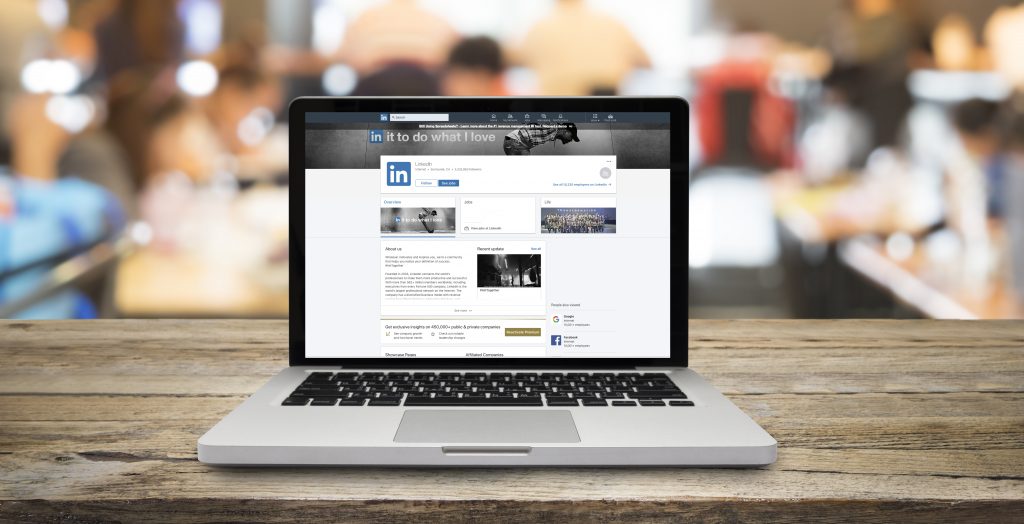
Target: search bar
point(419, 117)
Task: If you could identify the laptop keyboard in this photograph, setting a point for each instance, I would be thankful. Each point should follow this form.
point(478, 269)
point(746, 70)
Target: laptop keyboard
point(487, 389)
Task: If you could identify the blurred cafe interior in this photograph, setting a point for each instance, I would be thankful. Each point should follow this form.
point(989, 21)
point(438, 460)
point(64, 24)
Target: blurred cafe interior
point(848, 158)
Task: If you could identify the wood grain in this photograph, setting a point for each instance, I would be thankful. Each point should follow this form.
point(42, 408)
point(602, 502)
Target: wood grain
point(876, 420)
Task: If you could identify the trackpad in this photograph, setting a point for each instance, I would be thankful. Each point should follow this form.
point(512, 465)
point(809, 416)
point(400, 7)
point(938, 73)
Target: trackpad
point(506, 426)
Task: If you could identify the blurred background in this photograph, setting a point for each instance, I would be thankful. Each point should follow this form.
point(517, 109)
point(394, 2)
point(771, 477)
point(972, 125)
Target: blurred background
point(849, 158)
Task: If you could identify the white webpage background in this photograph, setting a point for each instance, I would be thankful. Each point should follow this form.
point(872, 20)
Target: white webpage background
point(621, 278)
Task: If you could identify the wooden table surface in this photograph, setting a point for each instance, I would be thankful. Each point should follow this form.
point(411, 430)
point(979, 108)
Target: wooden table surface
point(882, 420)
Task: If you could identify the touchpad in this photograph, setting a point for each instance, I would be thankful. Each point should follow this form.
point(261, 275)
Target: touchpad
point(487, 426)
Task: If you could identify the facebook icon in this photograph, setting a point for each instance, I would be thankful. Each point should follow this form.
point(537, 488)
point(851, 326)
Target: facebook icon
point(399, 173)
point(556, 340)
point(376, 136)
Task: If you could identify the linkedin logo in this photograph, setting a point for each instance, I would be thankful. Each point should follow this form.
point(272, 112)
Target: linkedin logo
point(399, 173)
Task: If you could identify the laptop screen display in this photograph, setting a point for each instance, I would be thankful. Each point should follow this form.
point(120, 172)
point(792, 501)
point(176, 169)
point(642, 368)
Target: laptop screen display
point(487, 235)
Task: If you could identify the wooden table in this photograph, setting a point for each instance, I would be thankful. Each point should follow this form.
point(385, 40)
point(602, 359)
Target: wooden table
point(883, 420)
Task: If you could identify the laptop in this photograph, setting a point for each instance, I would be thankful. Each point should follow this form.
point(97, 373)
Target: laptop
point(488, 282)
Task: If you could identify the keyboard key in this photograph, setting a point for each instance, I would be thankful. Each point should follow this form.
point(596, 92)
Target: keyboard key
point(657, 394)
point(666, 387)
point(594, 402)
point(385, 402)
point(623, 403)
point(680, 403)
point(352, 402)
point(563, 402)
point(472, 401)
point(295, 401)
point(653, 376)
point(324, 401)
point(652, 403)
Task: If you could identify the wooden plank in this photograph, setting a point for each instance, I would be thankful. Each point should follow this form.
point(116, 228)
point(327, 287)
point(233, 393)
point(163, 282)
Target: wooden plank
point(418, 511)
point(803, 450)
point(111, 476)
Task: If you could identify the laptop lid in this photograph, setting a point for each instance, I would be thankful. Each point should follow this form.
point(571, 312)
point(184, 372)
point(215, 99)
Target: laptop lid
point(487, 232)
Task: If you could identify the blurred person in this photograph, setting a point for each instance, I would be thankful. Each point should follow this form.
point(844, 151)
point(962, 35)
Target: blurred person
point(398, 31)
point(183, 141)
point(871, 43)
point(741, 119)
point(140, 35)
point(134, 100)
point(967, 189)
point(476, 67)
point(398, 80)
point(577, 50)
point(240, 91)
point(44, 216)
point(977, 124)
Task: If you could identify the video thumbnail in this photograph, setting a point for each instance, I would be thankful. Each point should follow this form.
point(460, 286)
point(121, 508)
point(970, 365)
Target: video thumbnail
point(415, 220)
point(507, 270)
point(570, 220)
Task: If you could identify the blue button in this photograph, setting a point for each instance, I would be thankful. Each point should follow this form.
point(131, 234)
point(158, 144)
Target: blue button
point(448, 183)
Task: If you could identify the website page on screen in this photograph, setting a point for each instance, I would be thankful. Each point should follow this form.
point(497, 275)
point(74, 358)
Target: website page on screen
point(487, 235)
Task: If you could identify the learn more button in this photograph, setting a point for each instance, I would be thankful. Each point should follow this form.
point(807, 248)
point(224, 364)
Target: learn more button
point(448, 183)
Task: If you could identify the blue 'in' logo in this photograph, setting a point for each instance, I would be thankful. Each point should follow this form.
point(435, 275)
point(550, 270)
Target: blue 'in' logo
point(399, 173)
point(376, 136)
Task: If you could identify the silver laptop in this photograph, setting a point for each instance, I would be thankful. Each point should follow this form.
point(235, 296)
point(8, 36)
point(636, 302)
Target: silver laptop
point(488, 281)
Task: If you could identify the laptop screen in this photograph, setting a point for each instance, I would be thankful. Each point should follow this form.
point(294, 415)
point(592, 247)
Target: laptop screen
point(487, 235)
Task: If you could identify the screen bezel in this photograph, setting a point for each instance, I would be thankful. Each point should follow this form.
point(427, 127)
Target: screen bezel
point(678, 161)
